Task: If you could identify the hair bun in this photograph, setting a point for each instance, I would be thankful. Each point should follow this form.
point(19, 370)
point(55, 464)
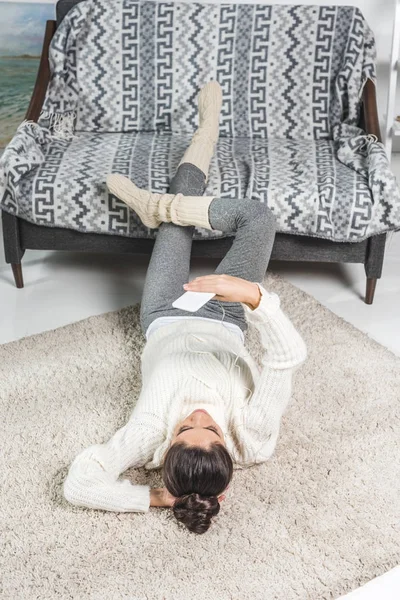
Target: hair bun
point(196, 511)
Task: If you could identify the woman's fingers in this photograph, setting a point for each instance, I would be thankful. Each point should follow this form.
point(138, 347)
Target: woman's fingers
point(207, 283)
point(201, 286)
point(205, 278)
point(226, 288)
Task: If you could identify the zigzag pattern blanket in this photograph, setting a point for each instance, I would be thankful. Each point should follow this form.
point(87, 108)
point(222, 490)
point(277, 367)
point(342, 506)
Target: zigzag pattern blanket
point(123, 98)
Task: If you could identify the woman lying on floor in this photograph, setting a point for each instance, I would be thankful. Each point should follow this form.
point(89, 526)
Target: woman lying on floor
point(204, 408)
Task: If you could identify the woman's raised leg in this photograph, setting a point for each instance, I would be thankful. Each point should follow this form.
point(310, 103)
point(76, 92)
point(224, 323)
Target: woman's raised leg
point(169, 265)
point(170, 260)
point(254, 226)
point(177, 212)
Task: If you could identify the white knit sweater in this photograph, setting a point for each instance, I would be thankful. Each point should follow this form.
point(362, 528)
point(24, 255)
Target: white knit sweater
point(186, 365)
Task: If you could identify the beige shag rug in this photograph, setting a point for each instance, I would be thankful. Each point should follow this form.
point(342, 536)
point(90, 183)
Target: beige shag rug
point(319, 519)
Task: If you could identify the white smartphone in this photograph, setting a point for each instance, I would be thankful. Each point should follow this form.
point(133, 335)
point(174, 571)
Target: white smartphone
point(192, 301)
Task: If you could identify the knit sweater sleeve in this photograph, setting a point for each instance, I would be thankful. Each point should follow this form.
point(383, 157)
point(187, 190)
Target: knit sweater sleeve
point(284, 351)
point(92, 480)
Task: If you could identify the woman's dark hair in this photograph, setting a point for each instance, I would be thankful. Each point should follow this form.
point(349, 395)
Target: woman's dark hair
point(196, 476)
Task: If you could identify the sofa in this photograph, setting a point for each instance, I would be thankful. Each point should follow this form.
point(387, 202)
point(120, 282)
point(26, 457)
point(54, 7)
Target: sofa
point(299, 128)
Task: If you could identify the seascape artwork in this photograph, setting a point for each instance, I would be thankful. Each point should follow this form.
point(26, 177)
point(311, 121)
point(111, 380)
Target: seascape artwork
point(22, 26)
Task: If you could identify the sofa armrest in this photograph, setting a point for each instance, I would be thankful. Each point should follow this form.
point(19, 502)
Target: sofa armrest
point(43, 75)
point(369, 116)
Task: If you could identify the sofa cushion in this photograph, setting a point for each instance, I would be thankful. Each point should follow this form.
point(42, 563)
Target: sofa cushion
point(309, 190)
point(285, 71)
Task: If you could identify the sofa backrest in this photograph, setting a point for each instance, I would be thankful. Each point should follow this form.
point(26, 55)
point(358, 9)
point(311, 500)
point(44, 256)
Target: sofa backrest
point(63, 7)
point(285, 71)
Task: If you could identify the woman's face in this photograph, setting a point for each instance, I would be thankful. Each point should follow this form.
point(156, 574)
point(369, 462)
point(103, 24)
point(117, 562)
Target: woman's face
point(198, 429)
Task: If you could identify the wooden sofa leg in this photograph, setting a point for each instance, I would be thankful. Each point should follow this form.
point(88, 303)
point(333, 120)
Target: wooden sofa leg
point(17, 270)
point(370, 291)
point(12, 246)
point(373, 264)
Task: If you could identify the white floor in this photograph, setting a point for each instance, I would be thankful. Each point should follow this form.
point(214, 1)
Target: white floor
point(384, 587)
point(64, 287)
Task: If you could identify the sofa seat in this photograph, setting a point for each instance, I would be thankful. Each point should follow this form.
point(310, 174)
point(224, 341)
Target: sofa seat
point(309, 190)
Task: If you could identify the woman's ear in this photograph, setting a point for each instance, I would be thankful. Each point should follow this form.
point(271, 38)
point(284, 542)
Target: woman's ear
point(223, 496)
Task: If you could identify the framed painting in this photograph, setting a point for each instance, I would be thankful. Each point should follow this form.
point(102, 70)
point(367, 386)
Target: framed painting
point(22, 26)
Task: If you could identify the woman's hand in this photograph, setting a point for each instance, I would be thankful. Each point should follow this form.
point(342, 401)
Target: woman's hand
point(227, 289)
point(161, 497)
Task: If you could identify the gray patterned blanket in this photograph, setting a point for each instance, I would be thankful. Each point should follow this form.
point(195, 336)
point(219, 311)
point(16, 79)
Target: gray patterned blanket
point(125, 75)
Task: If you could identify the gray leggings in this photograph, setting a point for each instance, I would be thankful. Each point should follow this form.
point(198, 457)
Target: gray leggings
point(254, 225)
